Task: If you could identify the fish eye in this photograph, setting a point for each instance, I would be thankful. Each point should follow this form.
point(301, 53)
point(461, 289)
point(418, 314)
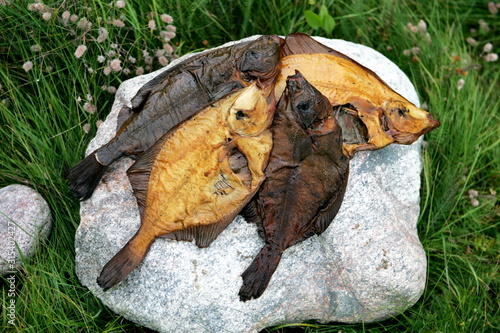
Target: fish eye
point(240, 115)
point(252, 54)
point(402, 112)
point(304, 106)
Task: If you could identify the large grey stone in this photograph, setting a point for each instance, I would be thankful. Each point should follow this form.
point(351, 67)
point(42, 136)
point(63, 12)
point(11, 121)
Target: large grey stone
point(369, 264)
point(25, 220)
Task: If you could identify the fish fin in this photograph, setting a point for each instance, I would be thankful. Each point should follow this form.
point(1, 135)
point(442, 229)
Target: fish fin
point(121, 265)
point(203, 235)
point(144, 92)
point(327, 214)
point(123, 116)
point(257, 276)
point(138, 174)
point(84, 177)
point(300, 43)
point(303, 149)
point(251, 215)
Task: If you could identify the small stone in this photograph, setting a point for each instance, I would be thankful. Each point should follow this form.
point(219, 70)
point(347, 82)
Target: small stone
point(25, 220)
point(369, 265)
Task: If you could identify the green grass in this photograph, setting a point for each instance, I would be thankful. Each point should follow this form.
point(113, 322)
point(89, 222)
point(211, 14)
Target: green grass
point(42, 120)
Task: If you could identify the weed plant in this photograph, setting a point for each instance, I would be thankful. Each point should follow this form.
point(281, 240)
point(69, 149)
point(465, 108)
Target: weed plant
point(61, 61)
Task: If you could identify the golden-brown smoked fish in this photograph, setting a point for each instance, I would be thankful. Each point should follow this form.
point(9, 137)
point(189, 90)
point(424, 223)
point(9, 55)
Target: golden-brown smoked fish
point(174, 96)
point(382, 116)
point(185, 185)
point(305, 180)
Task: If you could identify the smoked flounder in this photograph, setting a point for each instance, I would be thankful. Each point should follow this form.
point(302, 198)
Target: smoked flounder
point(305, 180)
point(371, 114)
point(175, 95)
point(185, 184)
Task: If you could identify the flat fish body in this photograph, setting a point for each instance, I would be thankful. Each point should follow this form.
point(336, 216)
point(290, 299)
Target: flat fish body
point(305, 180)
point(174, 96)
point(385, 116)
point(184, 184)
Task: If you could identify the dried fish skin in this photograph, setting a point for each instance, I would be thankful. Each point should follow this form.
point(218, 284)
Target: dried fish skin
point(174, 96)
point(306, 169)
point(184, 184)
point(386, 115)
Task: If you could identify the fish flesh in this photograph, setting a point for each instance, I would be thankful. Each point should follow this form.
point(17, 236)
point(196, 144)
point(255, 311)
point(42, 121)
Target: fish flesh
point(185, 184)
point(305, 180)
point(371, 114)
point(175, 95)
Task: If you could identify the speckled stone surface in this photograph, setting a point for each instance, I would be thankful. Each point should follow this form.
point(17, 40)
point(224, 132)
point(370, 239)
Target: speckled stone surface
point(369, 264)
point(25, 219)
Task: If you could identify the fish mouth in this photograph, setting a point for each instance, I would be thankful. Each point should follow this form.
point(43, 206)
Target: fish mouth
point(411, 135)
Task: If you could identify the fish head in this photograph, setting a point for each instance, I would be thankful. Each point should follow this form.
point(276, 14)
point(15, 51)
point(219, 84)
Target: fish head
point(251, 112)
point(307, 104)
point(261, 58)
point(405, 122)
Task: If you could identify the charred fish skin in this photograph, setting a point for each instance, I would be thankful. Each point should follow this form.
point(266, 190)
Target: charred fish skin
point(184, 184)
point(306, 169)
point(174, 97)
point(387, 117)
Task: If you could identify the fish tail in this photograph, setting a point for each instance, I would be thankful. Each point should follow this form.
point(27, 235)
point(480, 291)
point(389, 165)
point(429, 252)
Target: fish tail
point(257, 276)
point(123, 263)
point(84, 176)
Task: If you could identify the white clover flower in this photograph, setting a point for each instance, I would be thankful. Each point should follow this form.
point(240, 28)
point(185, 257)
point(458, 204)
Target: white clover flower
point(490, 57)
point(139, 71)
point(115, 65)
point(493, 8)
point(80, 50)
point(27, 66)
point(163, 61)
point(89, 107)
point(118, 23)
point(471, 41)
point(166, 18)
point(422, 26)
point(47, 16)
point(168, 48)
point(86, 128)
point(65, 15)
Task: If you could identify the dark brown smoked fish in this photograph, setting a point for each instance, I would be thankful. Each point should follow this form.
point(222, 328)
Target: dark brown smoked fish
point(305, 180)
point(175, 95)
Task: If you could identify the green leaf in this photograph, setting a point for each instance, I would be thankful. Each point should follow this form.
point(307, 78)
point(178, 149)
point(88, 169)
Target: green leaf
point(313, 19)
point(328, 24)
point(323, 12)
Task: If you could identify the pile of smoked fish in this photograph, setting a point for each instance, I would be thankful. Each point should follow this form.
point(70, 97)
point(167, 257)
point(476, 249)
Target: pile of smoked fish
point(263, 128)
